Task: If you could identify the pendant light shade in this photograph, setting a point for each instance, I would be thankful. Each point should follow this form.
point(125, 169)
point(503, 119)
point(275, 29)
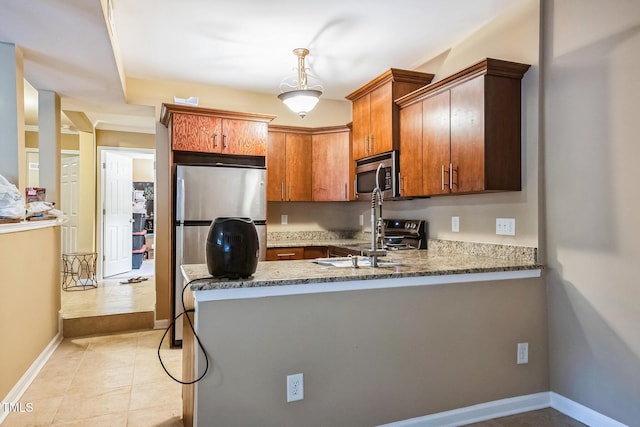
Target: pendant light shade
point(298, 93)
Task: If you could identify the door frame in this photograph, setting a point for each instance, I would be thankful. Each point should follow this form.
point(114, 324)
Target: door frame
point(134, 153)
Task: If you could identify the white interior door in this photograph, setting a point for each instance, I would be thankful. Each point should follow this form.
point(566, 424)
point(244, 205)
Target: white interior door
point(69, 200)
point(117, 185)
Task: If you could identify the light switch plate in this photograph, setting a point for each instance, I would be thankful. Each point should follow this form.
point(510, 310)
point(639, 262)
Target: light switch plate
point(506, 226)
point(284, 219)
point(455, 224)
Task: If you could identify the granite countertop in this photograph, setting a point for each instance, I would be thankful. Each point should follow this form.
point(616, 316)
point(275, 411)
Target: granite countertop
point(414, 263)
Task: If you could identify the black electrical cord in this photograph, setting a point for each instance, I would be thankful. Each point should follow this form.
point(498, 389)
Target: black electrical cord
point(185, 311)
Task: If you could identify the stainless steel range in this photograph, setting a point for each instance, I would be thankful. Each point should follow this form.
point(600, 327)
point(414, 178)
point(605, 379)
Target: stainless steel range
point(400, 234)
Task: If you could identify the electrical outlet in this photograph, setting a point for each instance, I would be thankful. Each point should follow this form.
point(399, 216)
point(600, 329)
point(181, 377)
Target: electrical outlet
point(455, 224)
point(361, 219)
point(506, 226)
point(295, 387)
point(523, 353)
point(284, 219)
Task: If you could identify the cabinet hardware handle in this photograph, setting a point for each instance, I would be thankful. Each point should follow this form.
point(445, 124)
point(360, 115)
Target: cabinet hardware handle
point(442, 177)
point(289, 191)
point(289, 254)
point(371, 144)
point(215, 140)
point(224, 141)
point(450, 176)
point(282, 191)
point(346, 194)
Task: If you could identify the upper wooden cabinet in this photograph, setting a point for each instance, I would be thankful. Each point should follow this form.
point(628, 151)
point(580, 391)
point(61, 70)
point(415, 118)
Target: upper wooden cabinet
point(375, 115)
point(288, 166)
point(309, 164)
point(462, 134)
point(332, 171)
point(215, 131)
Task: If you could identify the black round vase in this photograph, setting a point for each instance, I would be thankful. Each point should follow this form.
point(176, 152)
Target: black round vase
point(232, 248)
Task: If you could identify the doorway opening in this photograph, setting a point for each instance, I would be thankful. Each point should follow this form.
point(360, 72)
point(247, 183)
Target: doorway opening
point(125, 247)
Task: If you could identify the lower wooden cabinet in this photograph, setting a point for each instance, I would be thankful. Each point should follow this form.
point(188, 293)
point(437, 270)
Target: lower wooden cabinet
point(293, 253)
point(312, 252)
point(282, 254)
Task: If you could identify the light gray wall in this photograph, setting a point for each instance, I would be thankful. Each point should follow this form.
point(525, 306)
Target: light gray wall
point(592, 149)
point(371, 357)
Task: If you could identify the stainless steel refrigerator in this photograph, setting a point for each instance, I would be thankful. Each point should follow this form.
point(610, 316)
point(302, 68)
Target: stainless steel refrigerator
point(204, 193)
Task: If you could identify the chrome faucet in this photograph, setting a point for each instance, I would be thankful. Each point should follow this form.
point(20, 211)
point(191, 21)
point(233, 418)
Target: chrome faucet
point(377, 223)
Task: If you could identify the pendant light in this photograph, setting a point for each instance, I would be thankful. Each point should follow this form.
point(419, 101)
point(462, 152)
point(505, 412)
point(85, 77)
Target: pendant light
point(297, 92)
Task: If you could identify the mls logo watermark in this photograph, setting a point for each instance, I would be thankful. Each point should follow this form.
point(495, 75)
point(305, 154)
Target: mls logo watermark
point(17, 407)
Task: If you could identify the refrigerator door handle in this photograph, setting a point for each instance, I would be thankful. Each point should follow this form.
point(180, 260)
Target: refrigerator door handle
point(181, 195)
point(179, 248)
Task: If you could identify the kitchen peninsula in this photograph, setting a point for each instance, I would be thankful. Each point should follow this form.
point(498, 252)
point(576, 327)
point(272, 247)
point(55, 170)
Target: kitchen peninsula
point(430, 332)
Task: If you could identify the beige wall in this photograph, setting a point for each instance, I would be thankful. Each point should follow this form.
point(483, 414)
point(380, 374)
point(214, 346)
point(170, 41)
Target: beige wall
point(163, 229)
point(513, 36)
point(591, 148)
point(30, 268)
point(328, 112)
point(87, 202)
point(109, 138)
point(372, 357)
point(70, 141)
point(143, 170)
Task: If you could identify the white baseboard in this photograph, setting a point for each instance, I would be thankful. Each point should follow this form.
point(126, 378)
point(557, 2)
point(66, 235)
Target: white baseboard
point(27, 378)
point(580, 412)
point(511, 406)
point(161, 324)
point(477, 413)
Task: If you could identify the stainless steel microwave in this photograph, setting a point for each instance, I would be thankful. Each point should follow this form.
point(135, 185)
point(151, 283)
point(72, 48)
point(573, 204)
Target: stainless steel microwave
point(380, 170)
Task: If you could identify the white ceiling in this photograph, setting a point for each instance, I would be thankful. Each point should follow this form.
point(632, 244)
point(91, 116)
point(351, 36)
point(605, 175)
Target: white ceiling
point(243, 44)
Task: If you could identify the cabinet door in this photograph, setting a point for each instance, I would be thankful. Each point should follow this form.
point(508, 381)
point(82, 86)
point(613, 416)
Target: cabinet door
point(381, 120)
point(467, 136)
point(276, 167)
point(361, 126)
point(298, 170)
point(411, 150)
point(436, 156)
point(312, 252)
point(244, 137)
point(330, 167)
point(193, 132)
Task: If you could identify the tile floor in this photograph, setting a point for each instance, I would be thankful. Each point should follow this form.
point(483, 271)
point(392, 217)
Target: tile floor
point(111, 381)
point(112, 297)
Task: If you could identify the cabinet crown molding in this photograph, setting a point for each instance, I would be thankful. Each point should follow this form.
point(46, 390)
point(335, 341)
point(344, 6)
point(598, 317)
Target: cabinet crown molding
point(395, 75)
point(169, 109)
point(488, 66)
